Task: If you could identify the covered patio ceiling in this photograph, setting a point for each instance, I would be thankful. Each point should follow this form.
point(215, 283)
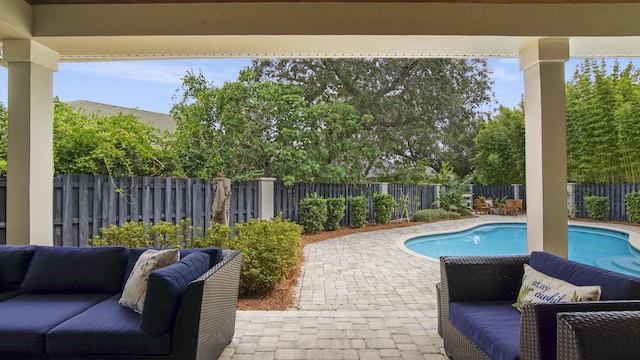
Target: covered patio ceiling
point(86, 30)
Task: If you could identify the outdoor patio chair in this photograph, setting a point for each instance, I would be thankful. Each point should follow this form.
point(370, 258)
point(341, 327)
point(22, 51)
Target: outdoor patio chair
point(481, 207)
point(519, 206)
point(509, 206)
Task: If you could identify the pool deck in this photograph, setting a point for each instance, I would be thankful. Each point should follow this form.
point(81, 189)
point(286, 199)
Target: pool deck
point(359, 296)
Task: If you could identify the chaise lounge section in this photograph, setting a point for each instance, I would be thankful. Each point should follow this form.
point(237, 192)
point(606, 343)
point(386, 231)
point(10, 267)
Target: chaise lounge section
point(63, 303)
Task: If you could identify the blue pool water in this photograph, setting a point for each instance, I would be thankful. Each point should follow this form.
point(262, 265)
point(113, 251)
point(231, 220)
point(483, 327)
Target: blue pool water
point(603, 248)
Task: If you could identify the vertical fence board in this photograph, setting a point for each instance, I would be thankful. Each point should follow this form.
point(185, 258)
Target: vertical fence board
point(83, 210)
point(67, 212)
point(168, 200)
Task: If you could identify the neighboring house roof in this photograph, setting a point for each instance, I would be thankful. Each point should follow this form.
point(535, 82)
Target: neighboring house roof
point(159, 120)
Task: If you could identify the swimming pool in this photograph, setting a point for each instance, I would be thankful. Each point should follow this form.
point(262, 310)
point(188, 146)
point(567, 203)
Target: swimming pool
point(604, 248)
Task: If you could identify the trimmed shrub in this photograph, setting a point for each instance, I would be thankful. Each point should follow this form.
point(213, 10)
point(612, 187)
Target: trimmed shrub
point(383, 207)
point(359, 205)
point(597, 207)
point(313, 213)
point(269, 252)
point(632, 200)
point(428, 215)
point(335, 212)
point(143, 235)
point(269, 248)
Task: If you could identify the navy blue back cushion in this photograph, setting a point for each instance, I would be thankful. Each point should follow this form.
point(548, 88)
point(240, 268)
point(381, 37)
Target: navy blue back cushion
point(14, 262)
point(215, 256)
point(494, 326)
point(76, 270)
point(615, 286)
point(165, 289)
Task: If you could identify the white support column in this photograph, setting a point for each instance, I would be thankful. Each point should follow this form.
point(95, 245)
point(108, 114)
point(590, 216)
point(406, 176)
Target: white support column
point(436, 192)
point(545, 126)
point(266, 207)
point(516, 191)
point(30, 142)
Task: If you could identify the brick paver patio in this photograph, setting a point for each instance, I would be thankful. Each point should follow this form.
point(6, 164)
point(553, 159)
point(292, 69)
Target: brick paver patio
point(359, 297)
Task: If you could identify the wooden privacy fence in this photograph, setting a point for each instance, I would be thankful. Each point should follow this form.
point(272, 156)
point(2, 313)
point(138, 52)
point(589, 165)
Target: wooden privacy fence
point(287, 198)
point(615, 193)
point(83, 203)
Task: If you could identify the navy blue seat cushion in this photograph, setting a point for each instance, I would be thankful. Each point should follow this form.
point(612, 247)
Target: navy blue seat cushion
point(26, 318)
point(494, 326)
point(215, 256)
point(106, 328)
point(615, 286)
point(14, 262)
point(76, 270)
point(165, 289)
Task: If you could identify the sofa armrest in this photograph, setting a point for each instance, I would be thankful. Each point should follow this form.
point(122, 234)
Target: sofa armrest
point(599, 335)
point(206, 318)
point(481, 278)
point(538, 324)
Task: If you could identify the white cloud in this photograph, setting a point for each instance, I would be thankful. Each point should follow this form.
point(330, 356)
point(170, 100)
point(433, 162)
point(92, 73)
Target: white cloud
point(165, 71)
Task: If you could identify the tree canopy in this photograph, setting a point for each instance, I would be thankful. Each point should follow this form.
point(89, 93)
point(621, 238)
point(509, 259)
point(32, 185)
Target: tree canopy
point(252, 128)
point(500, 148)
point(424, 111)
point(603, 110)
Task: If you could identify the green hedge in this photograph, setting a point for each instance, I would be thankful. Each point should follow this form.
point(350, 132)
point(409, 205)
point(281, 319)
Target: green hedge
point(597, 207)
point(335, 212)
point(383, 207)
point(359, 205)
point(313, 213)
point(142, 235)
point(269, 248)
point(428, 215)
point(632, 200)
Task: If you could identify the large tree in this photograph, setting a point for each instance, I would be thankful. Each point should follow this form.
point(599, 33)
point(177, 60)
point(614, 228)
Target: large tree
point(500, 148)
point(424, 110)
point(250, 128)
point(117, 145)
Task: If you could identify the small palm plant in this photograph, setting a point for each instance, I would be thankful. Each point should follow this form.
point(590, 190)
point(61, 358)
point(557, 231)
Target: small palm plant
point(453, 194)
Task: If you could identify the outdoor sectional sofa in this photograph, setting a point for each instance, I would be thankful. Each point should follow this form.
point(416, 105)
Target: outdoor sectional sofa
point(62, 303)
point(477, 320)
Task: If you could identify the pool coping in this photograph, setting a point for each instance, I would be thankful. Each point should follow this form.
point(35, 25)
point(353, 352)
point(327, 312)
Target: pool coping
point(634, 237)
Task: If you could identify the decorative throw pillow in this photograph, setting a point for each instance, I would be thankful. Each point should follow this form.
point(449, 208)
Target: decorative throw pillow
point(539, 287)
point(135, 289)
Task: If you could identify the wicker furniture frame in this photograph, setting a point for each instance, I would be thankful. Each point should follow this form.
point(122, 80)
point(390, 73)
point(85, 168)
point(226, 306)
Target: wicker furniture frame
point(206, 318)
point(496, 278)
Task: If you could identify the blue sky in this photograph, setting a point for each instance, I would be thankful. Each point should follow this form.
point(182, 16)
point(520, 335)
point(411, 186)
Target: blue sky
point(151, 85)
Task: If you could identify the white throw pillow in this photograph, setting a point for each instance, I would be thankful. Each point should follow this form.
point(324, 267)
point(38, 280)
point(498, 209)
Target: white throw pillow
point(539, 287)
point(135, 289)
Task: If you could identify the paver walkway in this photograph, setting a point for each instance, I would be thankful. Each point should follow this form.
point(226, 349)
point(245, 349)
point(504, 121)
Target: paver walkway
point(359, 297)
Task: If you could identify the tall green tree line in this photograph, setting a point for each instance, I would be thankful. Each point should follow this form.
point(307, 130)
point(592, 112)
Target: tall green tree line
point(603, 128)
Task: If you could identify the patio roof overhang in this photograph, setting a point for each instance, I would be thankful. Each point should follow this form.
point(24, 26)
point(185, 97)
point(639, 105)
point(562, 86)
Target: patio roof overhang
point(36, 34)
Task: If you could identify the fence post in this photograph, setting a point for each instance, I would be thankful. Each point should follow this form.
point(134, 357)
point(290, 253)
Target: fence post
point(266, 206)
point(384, 188)
point(571, 199)
point(436, 192)
point(516, 191)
